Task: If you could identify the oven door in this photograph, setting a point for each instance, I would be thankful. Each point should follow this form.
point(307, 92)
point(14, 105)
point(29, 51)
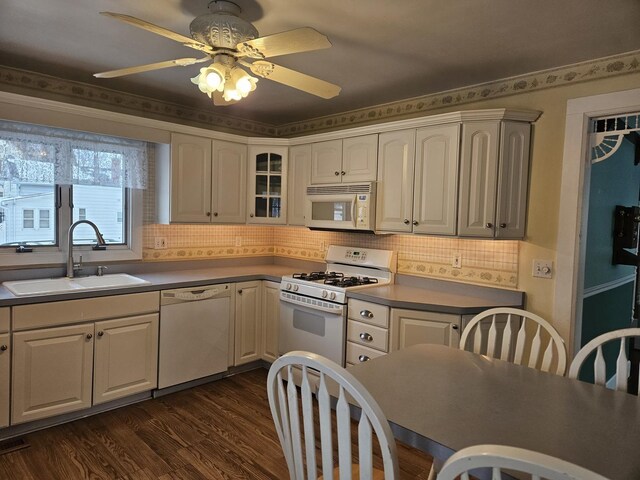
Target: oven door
point(312, 329)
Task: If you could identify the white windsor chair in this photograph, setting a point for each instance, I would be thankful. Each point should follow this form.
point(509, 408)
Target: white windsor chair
point(503, 349)
point(599, 364)
point(286, 405)
point(498, 457)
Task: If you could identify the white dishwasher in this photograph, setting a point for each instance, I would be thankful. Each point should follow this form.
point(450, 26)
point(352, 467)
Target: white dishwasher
point(194, 333)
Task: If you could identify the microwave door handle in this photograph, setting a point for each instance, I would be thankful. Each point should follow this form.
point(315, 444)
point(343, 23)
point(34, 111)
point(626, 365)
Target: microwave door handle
point(353, 212)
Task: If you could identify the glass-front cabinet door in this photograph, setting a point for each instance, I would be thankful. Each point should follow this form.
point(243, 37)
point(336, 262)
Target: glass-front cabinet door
point(267, 193)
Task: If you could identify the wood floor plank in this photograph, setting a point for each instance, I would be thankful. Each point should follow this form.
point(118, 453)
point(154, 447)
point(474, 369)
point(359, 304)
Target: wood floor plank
point(222, 430)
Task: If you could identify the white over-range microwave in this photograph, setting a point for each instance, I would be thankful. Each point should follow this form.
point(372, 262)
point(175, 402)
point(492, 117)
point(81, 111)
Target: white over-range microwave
point(342, 206)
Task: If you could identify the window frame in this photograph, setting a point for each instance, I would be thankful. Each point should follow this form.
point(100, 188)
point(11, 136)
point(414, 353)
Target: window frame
point(40, 218)
point(57, 254)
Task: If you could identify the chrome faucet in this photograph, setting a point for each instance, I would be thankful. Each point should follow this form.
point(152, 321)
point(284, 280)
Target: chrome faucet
point(71, 267)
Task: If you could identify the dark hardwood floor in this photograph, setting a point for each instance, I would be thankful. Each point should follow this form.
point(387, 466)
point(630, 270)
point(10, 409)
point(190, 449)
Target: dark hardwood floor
point(222, 430)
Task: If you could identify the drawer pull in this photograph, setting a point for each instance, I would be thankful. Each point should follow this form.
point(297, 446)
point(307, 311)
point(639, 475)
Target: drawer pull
point(363, 358)
point(366, 314)
point(366, 337)
point(3, 348)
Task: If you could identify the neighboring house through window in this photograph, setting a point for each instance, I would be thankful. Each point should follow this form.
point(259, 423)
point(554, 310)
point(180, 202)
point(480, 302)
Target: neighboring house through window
point(82, 214)
point(43, 219)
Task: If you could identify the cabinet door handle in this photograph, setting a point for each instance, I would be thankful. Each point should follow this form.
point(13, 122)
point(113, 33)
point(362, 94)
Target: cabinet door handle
point(363, 358)
point(366, 337)
point(240, 292)
point(343, 173)
point(251, 215)
point(3, 348)
point(208, 214)
point(503, 225)
point(489, 225)
point(455, 327)
point(89, 336)
point(336, 173)
point(366, 314)
point(415, 222)
point(100, 333)
point(407, 221)
point(215, 214)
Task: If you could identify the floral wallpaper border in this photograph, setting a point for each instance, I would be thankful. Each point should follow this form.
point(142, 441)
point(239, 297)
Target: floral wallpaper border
point(46, 86)
point(589, 70)
point(191, 253)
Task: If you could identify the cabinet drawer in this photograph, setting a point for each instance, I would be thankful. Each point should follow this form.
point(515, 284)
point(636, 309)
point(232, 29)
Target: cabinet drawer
point(370, 313)
point(358, 354)
point(368, 335)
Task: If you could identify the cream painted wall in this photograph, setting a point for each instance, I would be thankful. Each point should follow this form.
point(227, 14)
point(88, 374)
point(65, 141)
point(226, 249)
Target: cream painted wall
point(546, 172)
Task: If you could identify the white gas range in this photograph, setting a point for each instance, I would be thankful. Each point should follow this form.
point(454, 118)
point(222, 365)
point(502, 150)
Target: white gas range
point(313, 306)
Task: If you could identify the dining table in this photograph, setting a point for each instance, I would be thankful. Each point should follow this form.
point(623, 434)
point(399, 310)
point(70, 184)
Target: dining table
point(441, 399)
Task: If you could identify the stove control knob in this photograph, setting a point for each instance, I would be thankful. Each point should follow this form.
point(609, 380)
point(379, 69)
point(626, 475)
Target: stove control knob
point(332, 295)
point(324, 294)
point(295, 288)
point(288, 287)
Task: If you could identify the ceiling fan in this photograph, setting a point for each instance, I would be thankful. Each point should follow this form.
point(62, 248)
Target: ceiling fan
point(229, 42)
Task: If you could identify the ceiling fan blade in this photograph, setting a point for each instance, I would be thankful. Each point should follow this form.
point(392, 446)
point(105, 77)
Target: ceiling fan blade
point(150, 27)
point(292, 41)
point(219, 101)
point(179, 62)
point(294, 79)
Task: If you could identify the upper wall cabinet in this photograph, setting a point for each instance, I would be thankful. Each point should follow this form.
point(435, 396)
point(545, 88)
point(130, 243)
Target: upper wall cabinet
point(418, 180)
point(493, 179)
point(199, 180)
point(267, 185)
point(299, 176)
point(350, 160)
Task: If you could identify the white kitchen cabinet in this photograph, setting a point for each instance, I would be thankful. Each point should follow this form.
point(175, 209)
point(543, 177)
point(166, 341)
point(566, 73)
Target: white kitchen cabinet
point(412, 327)
point(52, 371)
point(248, 324)
point(435, 192)
point(353, 159)
point(394, 201)
point(126, 357)
point(270, 320)
point(493, 179)
point(228, 182)
point(299, 173)
point(5, 365)
point(359, 159)
point(326, 162)
point(267, 185)
point(200, 180)
point(190, 179)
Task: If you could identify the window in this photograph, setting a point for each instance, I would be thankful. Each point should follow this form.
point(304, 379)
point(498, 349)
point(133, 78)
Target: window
point(63, 176)
point(27, 218)
point(43, 219)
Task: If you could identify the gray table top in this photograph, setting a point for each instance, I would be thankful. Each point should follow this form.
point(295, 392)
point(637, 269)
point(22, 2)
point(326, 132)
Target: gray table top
point(442, 399)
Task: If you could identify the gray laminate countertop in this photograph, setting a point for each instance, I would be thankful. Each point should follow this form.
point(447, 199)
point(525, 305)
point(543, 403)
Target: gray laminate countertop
point(460, 301)
point(435, 296)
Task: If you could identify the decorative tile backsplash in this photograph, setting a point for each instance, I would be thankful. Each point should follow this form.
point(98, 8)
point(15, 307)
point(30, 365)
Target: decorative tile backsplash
point(485, 262)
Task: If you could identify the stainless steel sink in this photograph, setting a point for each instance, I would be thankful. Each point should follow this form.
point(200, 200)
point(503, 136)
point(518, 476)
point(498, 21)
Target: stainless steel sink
point(48, 286)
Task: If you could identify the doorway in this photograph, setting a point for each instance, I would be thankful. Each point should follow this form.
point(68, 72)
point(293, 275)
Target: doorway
point(612, 198)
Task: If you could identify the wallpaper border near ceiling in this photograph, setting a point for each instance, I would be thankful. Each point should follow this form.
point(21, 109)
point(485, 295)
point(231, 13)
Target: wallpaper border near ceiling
point(45, 86)
point(40, 85)
point(556, 77)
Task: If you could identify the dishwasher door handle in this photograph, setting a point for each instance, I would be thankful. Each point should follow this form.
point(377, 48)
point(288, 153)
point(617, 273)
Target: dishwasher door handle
point(194, 295)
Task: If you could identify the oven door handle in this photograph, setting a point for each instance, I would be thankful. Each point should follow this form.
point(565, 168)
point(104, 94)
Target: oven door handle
point(332, 310)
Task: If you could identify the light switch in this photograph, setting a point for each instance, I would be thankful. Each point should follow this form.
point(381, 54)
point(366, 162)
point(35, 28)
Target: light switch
point(542, 268)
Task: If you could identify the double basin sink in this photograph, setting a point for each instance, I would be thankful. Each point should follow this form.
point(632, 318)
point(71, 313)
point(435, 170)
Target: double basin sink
point(49, 286)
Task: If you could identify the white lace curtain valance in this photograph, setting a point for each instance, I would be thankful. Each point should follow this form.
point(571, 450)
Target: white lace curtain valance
point(36, 154)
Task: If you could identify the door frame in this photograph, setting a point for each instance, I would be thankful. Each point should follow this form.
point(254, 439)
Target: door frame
point(576, 163)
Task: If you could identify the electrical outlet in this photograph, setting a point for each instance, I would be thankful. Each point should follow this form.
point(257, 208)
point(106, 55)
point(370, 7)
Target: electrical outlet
point(456, 261)
point(159, 243)
point(238, 241)
point(323, 245)
point(542, 269)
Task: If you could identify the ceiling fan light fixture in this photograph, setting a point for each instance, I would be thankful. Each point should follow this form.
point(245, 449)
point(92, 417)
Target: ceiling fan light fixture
point(242, 82)
point(211, 79)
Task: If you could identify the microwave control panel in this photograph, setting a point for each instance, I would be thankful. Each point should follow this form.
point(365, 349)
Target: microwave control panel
point(362, 211)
